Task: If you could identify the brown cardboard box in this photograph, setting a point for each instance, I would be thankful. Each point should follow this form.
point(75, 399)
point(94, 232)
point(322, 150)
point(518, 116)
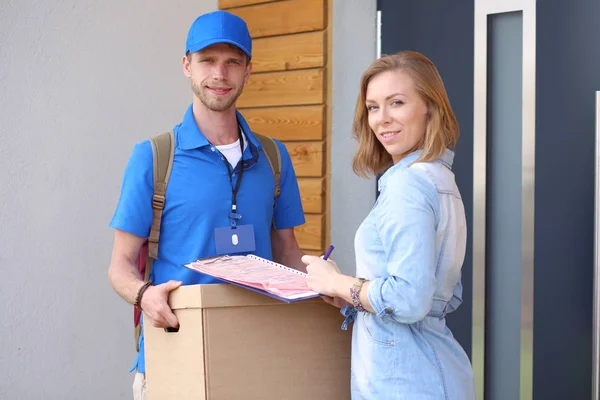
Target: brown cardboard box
point(236, 344)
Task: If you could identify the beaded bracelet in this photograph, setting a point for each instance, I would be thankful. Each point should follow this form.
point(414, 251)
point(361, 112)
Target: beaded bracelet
point(355, 294)
point(138, 297)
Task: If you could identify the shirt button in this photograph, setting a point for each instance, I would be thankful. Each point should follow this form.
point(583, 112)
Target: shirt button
point(212, 149)
point(392, 343)
point(388, 310)
point(222, 158)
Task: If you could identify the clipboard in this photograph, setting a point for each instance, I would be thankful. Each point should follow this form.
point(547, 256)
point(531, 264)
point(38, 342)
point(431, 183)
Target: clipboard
point(257, 274)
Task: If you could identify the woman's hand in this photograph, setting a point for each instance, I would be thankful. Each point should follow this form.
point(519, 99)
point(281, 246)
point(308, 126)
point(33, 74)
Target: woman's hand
point(335, 301)
point(322, 275)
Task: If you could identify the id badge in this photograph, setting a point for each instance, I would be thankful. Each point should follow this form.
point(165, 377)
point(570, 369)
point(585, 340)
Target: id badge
point(230, 240)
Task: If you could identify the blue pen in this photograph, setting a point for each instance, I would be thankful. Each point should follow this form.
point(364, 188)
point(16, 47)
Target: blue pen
point(328, 252)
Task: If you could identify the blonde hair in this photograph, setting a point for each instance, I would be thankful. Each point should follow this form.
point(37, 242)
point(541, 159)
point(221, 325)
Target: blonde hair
point(442, 128)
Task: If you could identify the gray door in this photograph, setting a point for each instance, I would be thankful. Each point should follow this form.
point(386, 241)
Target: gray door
point(526, 173)
point(567, 74)
point(443, 31)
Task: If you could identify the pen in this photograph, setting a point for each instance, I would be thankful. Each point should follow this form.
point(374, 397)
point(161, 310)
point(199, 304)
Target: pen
point(328, 252)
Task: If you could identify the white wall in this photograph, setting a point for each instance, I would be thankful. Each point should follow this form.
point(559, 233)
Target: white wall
point(80, 82)
point(354, 48)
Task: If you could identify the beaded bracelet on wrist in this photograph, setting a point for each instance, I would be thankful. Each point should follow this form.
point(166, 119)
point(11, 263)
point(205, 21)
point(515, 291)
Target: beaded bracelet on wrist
point(138, 297)
point(355, 294)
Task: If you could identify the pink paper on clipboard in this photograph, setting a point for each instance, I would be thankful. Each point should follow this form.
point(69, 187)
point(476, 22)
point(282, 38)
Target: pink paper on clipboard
point(255, 272)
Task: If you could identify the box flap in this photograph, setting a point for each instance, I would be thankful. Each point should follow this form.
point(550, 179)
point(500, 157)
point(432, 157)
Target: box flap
point(219, 295)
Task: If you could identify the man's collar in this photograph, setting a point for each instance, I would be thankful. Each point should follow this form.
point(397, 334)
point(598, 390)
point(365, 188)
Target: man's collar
point(190, 137)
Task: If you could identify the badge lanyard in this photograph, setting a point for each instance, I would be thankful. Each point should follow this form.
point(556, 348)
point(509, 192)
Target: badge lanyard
point(234, 216)
point(236, 238)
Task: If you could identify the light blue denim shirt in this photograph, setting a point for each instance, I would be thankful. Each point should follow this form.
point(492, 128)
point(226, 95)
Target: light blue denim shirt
point(411, 248)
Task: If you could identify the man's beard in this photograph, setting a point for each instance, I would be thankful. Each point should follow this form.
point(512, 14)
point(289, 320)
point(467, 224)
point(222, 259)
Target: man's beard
point(212, 103)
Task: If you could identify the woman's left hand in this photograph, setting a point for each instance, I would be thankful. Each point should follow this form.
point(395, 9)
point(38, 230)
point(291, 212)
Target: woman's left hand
point(322, 275)
point(337, 302)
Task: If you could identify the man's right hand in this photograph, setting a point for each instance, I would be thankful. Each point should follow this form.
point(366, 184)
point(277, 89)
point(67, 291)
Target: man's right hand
point(156, 307)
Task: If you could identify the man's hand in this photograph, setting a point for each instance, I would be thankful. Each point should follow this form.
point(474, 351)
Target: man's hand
point(156, 307)
point(286, 250)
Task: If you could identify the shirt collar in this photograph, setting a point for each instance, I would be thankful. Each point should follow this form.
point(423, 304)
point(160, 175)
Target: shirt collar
point(446, 159)
point(190, 137)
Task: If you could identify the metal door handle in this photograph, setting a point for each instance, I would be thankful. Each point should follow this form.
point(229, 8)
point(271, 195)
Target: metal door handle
point(596, 320)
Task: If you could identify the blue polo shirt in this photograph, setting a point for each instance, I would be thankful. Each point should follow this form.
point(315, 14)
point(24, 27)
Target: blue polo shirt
point(198, 200)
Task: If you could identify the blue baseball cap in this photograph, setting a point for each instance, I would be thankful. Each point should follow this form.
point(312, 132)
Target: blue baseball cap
point(218, 27)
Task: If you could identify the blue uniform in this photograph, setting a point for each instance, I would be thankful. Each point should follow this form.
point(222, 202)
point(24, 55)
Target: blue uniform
point(198, 200)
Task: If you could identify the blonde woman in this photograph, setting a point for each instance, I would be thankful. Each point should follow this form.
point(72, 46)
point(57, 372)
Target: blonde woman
point(410, 248)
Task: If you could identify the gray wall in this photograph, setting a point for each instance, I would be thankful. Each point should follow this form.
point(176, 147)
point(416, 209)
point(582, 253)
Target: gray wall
point(354, 48)
point(80, 83)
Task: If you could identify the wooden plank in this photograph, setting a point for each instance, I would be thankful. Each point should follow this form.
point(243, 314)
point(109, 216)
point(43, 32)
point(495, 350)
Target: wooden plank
point(284, 89)
point(312, 193)
point(283, 17)
point(328, 116)
point(307, 158)
point(310, 235)
point(281, 53)
point(223, 4)
point(287, 123)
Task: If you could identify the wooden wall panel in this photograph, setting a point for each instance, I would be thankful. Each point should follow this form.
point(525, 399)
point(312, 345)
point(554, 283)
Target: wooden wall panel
point(288, 96)
point(284, 89)
point(223, 4)
point(283, 17)
point(281, 53)
point(288, 123)
point(310, 235)
point(312, 192)
point(307, 158)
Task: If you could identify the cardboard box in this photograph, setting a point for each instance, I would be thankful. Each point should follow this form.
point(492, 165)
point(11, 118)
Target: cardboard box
point(236, 344)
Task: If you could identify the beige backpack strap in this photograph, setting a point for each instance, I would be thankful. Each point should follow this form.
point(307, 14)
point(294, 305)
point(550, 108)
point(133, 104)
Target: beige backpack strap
point(271, 150)
point(163, 151)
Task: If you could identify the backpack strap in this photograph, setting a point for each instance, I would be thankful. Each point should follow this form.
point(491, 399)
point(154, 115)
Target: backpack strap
point(271, 150)
point(163, 152)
